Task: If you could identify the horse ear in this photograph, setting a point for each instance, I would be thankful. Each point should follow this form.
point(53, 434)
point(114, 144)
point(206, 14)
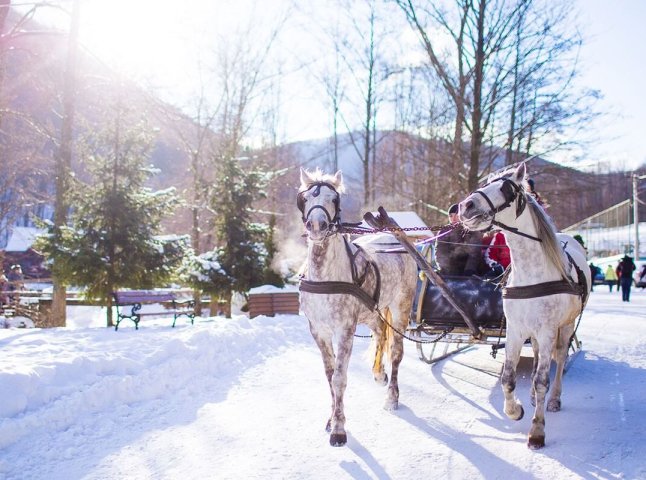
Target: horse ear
point(337, 181)
point(306, 178)
point(519, 174)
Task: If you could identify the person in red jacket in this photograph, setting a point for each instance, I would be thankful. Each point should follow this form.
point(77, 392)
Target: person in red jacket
point(497, 254)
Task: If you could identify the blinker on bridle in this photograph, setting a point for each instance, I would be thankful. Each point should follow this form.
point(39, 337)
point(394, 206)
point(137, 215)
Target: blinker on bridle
point(512, 193)
point(301, 201)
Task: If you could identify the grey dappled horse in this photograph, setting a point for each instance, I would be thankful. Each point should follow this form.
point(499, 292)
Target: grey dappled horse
point(545, 293)
point(346, 283)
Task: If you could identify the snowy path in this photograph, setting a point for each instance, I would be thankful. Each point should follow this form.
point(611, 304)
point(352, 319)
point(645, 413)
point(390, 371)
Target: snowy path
point(247, 399)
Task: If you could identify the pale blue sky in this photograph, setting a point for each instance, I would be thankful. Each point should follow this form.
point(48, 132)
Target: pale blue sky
point(162, 52)
point(615, 63)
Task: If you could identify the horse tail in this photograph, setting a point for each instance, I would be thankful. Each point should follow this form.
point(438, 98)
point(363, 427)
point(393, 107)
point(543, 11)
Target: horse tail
point(382, 343)
point(389, 334)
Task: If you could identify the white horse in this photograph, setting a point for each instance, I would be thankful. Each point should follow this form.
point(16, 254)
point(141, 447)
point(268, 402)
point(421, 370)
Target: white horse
point(545, 293)
point(346, 283)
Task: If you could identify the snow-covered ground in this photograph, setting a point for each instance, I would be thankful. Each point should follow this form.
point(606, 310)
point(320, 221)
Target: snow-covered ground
point(246, 398)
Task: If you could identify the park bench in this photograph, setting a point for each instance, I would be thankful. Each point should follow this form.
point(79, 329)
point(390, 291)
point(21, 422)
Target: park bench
point(133, 300)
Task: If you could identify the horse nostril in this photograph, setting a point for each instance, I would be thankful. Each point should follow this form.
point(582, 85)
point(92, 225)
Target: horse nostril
point(324, 225)
point(308, 225)
point(468, 205)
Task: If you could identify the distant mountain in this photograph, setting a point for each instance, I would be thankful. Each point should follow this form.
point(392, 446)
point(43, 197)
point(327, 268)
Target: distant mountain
point(402, 159)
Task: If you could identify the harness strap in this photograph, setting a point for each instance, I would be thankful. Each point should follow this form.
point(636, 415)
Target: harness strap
point(544, 289)
point(353, 288)
point(552, 288)
point(582, 283)
point(345, 288)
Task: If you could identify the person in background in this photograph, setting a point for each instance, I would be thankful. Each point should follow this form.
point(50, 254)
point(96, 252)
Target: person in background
point(534, 193)
point(618, 273)
point(626, 277)
point(16, 282)
point(497, 255)
point(611, 277)
point(4, 286)
point(459, 252)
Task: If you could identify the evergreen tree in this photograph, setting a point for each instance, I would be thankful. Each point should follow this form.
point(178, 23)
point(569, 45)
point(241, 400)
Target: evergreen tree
point(240, 262)
point(112, 240)
point(271, 276)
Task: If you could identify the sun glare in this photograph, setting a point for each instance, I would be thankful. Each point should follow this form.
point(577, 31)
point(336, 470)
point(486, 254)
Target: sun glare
point(159, 41)
point(139, 38)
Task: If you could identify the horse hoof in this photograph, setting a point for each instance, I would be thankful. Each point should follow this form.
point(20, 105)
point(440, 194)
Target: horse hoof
point(391, 406)
point(516, 416)
point(328, 426)
point(520, 415)
point(554, 405)
point(383, 381)
point(534, 443)
point(338, 439)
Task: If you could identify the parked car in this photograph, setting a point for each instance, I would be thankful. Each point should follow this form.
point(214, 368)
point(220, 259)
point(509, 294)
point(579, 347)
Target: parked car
point(640, 276)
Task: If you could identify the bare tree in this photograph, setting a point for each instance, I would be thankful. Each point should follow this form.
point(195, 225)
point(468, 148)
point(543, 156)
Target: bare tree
point(22, 135)
point(242, 81)
point(63, 161)
point(353, 66)
point(366, 62)
point(498, 51)
point(544, 100)
point(196, 136)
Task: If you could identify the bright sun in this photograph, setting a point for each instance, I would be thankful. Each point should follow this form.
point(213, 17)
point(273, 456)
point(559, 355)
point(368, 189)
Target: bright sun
point(159, 41)
point(140, 37)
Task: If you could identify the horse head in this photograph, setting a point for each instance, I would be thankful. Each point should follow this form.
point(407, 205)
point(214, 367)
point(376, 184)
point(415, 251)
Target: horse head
point(478, 211)
point(318, 200)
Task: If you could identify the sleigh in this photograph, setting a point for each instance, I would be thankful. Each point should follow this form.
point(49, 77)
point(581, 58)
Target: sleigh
point(453, 313)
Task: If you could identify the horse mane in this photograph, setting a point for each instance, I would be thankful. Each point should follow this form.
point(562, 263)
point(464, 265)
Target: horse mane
point(317, 176)
point(546, 231)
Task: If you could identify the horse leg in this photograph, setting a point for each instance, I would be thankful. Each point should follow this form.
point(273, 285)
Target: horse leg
point(560, 356)
point(324, 342)
point(532, 390)
point(338, 437)
point(536, 437)
point(398, 318)
point(513, 407)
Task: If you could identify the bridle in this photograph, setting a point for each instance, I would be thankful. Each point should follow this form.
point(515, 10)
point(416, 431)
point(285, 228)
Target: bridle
point(512, 192)
point(515, 193)
point(333, 220)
